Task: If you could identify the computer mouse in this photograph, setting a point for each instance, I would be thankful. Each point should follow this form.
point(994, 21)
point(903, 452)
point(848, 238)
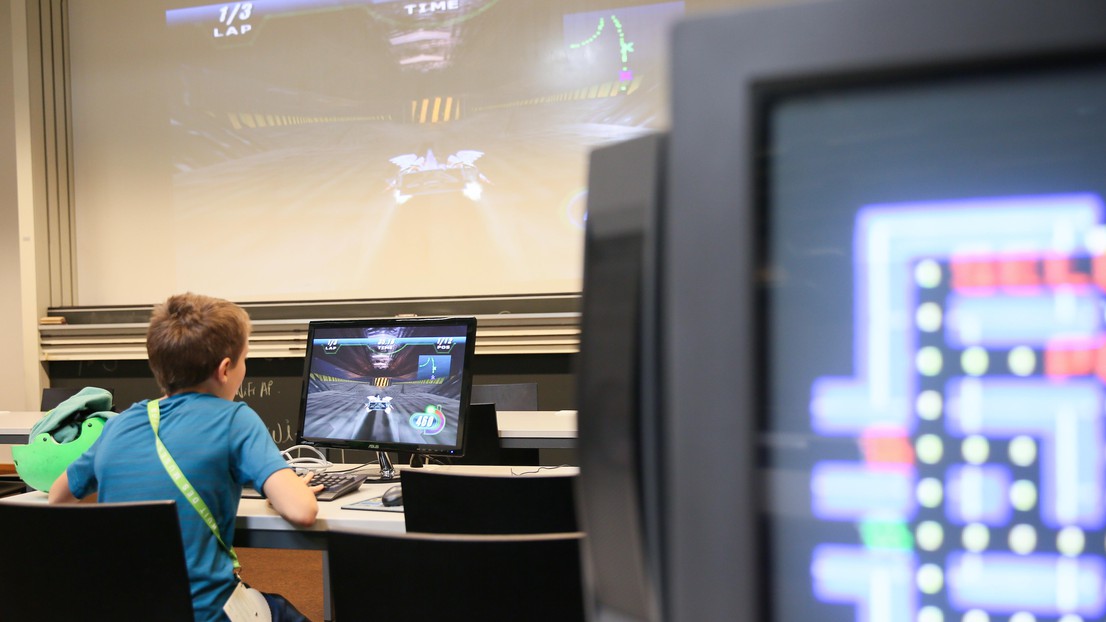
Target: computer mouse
point(392, 497)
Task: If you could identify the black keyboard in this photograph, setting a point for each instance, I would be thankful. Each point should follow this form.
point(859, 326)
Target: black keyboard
point(334, 485)
point(337, 484)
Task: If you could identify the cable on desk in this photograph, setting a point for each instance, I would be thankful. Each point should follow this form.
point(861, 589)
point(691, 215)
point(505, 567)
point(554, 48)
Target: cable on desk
point(539, 469)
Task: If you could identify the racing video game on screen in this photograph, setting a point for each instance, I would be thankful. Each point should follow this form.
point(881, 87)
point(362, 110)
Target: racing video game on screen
point(390, 385)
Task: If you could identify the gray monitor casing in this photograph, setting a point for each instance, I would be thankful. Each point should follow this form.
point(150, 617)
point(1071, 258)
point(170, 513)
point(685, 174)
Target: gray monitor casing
point(726, 72)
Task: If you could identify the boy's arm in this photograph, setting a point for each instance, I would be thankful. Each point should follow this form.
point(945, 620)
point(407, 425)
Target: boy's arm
point(291, 497)
point(60, 493)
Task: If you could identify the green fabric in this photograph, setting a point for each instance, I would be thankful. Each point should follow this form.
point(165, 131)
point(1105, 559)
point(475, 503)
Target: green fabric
point(64, 422)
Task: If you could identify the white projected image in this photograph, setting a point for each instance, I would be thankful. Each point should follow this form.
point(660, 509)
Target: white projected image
point(367, 149)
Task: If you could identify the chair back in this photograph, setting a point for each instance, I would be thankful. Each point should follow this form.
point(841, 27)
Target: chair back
point(435, 502)
point(109, 561)
point(481, 437)
point(534, 577)
point(52, 396)
point(512, 396)
point(8, 488)
point(503, 397)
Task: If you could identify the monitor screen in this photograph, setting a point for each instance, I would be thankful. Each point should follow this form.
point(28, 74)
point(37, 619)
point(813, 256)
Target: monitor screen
point(883, 314)
point(388, 384)
point(933, 432)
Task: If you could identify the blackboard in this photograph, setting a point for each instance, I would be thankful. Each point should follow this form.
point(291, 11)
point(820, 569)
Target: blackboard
point(272, 386)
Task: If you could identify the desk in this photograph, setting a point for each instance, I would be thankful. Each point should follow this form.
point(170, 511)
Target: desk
point(536, 429)
point(15, 427)
point(258, 525)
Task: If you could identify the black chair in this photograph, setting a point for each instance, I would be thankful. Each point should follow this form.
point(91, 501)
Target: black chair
point(109, 561)
point(52, 396)
point(436, 502)
point(534, 577)
point(507, 396)
point(513, 396)
point(481, 437)
point(10, 487)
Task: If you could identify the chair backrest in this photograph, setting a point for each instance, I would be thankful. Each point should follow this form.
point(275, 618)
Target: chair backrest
point(507, 396)
point(435, 502)
point(52, 396)
point(513, 396)
point(533, 577)
point(108, 561)
point(8, 488)
point(481, 437)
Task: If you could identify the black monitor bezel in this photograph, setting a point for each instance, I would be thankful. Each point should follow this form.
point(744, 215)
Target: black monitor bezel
point(728, 70)
point(455, 450)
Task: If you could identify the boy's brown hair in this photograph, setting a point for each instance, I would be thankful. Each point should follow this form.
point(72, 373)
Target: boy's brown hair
point(189, 335)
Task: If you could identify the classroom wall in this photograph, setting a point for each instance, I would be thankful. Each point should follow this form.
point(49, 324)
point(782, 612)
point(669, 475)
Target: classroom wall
point(12, 378)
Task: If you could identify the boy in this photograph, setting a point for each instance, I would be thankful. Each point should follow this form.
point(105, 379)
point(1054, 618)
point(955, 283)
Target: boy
point(197, 352)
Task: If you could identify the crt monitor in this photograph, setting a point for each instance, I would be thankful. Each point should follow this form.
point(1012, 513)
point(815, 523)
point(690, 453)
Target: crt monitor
point(399, 385)
point(618, 488)
point(881, 314)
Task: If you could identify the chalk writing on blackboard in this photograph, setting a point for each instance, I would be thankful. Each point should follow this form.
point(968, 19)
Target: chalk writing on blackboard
point(281, 432)
point(255, 389)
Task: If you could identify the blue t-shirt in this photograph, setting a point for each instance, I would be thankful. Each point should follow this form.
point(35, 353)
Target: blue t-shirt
point(219, 445)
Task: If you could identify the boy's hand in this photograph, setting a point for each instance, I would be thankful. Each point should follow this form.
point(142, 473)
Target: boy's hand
point(307, 477)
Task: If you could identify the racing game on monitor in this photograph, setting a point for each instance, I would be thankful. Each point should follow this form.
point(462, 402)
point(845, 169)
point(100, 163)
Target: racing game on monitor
point(388, 384)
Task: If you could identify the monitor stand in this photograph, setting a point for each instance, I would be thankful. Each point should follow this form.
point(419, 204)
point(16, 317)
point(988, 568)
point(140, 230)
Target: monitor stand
point(388, 472)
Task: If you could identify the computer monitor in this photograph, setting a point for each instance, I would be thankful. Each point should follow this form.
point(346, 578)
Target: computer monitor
point(398, 384)
point(619, 490)
point(880, 314)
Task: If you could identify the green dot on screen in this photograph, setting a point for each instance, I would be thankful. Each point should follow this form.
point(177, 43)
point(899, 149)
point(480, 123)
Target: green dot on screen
point(1023, 450)
point(1023, 495)
point(975, 449)
point(929, 535)
point(976, 615)
point(1023, 539)
point(928, 317)
point(975, 537)
point(927, 274)
point(975, 361)
point(929, 613)
point(929, 448)
point(930, 578)
point(1022, 361)
point(929, 361)
point(929, 405)
point(1071, 541)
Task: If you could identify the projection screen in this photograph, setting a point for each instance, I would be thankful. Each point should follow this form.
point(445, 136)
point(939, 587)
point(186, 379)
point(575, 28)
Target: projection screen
point(292, 150)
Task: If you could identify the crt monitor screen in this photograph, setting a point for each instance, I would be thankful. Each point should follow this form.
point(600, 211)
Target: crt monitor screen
point(911, 386)
point(388, 385)
point(943, 408)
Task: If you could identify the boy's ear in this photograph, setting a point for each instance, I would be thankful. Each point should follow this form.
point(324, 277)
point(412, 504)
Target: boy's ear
point(224, 367)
